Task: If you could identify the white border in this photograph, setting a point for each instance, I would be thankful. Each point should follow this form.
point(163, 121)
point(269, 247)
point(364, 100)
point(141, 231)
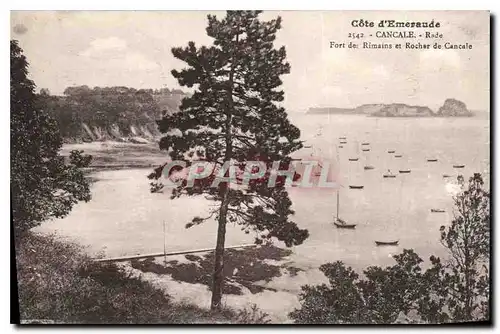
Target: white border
point(256, 4)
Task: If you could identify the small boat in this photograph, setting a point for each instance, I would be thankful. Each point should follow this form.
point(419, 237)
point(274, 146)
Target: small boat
point(340, 146)
point(344, 225)
point(432, 160)
point(343, 142)
point(365, 149)
point(368, 167)
point(405, 171)
point(365, 144)
point(458, 166)
point(389, 174)
point(437, 210)
point(353, 159)
point(445, 175)
point(307, 146)
point(398, 156)
point(356, 187)
point(387, 243)
point(343, 138)
point(391, 151)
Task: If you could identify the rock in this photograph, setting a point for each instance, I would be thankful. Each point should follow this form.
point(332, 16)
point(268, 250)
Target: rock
point(115, 132)
point(453, 107)
point(87, 134)
point(138, 140)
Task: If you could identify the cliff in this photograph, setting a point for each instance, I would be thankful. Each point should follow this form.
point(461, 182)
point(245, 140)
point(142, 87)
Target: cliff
point(110, 113)
point(454, 108)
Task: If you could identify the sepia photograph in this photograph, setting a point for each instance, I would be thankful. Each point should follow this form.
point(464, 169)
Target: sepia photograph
point(250, 167)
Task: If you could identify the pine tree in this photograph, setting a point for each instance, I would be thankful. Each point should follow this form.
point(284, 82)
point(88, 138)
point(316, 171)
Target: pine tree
point(234, 116)
point(465, 276)
point(42, 185)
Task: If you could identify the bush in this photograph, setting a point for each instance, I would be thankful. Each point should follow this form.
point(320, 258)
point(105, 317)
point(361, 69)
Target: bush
point(57, 282)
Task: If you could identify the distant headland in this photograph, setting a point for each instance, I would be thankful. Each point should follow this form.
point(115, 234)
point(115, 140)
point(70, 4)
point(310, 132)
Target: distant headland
point(450, 108)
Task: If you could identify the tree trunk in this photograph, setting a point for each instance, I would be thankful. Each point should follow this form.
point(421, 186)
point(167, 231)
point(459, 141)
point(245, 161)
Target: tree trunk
point(218, 279)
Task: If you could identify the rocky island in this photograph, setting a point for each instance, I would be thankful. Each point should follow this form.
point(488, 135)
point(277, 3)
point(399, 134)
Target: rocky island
point(450, 108)
point(454, 108)
point(403, 110)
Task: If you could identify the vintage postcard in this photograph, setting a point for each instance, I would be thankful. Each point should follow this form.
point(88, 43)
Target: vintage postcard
point(251, 167)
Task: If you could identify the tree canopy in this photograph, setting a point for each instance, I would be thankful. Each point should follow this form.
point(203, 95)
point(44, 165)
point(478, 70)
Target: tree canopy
point(233, 117)
point(43, 185)
point(113, 110)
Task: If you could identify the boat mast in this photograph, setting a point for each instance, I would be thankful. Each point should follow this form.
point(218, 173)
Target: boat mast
point(338, 202)
point(338, 174)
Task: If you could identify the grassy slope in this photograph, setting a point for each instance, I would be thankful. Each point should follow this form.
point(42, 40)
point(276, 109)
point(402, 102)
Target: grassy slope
point(58, 282)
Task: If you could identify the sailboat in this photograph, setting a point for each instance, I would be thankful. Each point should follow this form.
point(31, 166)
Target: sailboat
point(340, 223)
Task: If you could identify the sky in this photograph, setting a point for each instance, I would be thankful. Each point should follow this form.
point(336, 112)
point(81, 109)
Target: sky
point(133, 48)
